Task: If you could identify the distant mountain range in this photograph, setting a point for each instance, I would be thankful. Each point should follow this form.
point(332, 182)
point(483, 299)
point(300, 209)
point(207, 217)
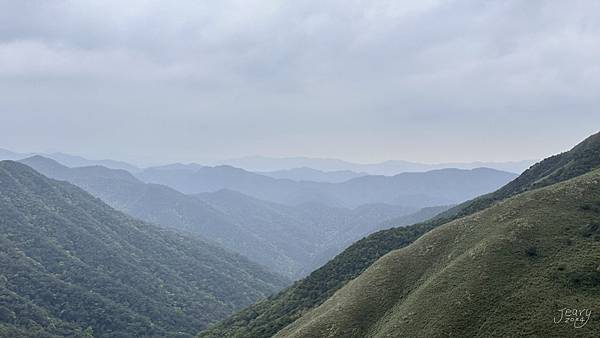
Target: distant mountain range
point(437, 187)
point(387, 168)
point(294, 168)
point(71, 266)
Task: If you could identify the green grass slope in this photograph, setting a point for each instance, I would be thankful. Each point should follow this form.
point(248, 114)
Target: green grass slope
point(267, 317)
point(505, 271)
point(70, 265)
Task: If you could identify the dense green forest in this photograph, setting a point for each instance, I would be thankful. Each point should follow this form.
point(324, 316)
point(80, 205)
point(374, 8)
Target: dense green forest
point(267, 317)
point(70, 265)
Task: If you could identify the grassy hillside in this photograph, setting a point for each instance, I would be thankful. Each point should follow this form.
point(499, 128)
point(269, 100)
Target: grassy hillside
point(269, 316)
point(505, 271)
point(71, 265)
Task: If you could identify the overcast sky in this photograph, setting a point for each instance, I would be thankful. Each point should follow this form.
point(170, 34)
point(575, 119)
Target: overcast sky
point(432, 81)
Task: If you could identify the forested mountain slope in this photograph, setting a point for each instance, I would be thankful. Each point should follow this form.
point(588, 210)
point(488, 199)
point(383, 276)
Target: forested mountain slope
point(269, 316)
point(70, 265)
point(505, 271)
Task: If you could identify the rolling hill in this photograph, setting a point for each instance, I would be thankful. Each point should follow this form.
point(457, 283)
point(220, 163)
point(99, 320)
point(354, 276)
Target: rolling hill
point(267, 317)
point(70, 265)
point(505, 271)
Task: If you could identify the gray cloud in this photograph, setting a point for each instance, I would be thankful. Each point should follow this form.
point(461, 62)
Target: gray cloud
point(362, 80)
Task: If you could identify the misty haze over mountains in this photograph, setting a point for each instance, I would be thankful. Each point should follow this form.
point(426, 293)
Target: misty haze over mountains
point(291, 227)
point(388, 168)
point(290, 220)
point(437, 187)
point(295, 168)
point(338, 188)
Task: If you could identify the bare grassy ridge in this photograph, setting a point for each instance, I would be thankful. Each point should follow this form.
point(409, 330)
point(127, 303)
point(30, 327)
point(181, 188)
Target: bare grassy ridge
point(505, 271)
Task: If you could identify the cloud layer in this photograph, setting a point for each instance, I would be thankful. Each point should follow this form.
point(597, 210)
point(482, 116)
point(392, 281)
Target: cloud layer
point(362, 80)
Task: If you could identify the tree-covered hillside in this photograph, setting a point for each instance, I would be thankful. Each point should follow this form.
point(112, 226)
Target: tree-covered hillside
point(267, 317)
point(70, 265)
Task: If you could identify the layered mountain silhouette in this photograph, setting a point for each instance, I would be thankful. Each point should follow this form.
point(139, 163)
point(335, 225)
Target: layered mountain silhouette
point(266, 318)
point(73, 266)
point(291, 240)
point(295, 186)
point(295, 168)
point(438, 187)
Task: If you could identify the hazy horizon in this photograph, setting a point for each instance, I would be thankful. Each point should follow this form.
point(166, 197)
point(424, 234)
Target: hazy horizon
point(363, 81)
point(224, 161)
